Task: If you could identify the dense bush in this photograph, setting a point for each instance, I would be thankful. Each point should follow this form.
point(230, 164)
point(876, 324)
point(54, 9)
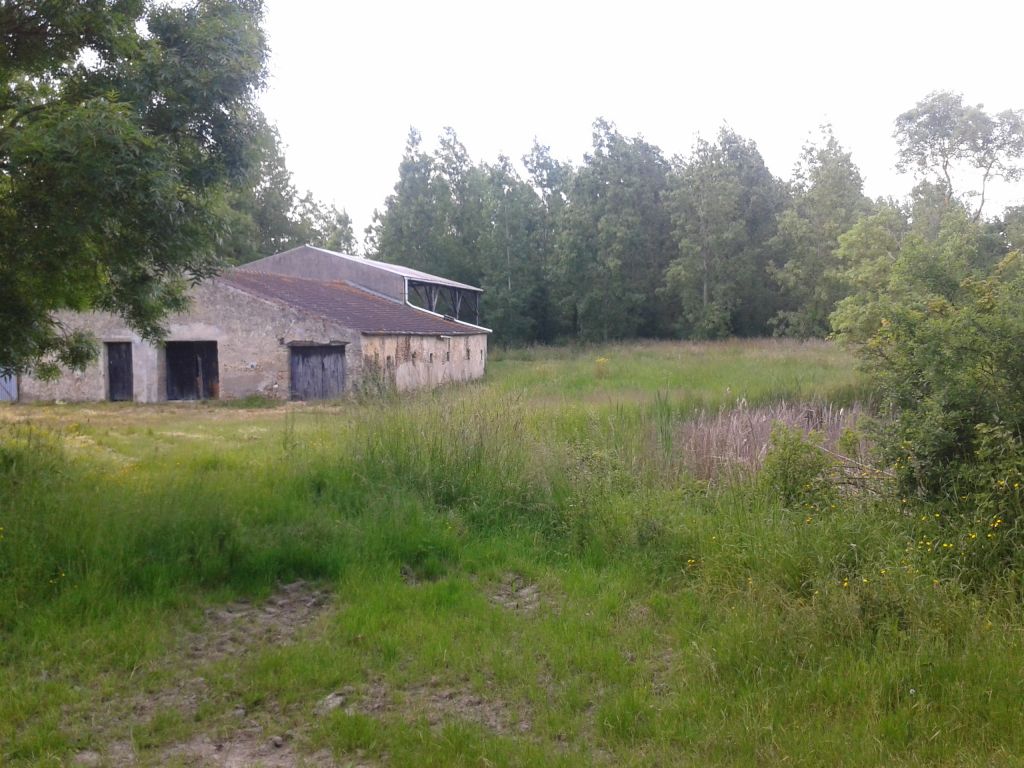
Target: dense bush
point(943, 346)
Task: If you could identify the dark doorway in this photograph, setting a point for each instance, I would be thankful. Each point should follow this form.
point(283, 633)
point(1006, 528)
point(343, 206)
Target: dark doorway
point(318, 373)
point(119, 371)
point(192, 370)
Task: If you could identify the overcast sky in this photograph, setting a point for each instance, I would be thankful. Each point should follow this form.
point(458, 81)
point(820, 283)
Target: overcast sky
point(349, 79)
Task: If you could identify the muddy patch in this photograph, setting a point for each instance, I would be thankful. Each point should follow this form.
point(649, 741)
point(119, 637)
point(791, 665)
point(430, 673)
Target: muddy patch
point(230, 631)
point(516, 594)
point(183, 698)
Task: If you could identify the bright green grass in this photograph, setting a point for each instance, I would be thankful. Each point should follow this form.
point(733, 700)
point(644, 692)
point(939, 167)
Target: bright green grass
point(678, 624)
point(698, 373)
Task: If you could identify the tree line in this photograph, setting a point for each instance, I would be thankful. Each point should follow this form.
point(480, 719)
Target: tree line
point(134, 161)
point(630, 243)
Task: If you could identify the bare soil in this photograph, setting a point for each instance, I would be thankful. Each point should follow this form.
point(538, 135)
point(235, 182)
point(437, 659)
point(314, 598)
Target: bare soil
point(516, 594)
point(229, 631)
point(238, 628)
point(432, 701)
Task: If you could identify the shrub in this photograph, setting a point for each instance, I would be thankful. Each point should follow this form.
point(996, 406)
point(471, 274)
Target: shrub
point(979, 528)
point(945, 352)
point(797, 471)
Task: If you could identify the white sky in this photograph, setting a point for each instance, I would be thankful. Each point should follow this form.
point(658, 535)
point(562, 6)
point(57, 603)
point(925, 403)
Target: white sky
point(349, 79)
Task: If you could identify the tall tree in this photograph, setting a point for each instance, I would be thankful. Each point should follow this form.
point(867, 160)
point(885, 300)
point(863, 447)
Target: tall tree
point(512, 257)
point(551, 179)
point(941, 137)
point(123, 126)
point(827, 201)
point(1013, 227)
point(867, 254)
point(269, 215)
point(724, 203)
point(478, 223)
point(320, 224)
point(616, 240)
point(418, 224)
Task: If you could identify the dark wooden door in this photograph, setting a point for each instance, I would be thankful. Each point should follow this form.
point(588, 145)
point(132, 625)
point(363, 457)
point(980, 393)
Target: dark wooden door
point(318, 373)
point(119, 371)
point(192, 370)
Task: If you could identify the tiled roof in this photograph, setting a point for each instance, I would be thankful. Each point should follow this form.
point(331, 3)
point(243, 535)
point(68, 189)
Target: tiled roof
point(346, 304)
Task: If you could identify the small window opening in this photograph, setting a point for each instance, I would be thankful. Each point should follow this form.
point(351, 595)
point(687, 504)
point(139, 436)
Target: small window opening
point(431, 357)
point(467, 353)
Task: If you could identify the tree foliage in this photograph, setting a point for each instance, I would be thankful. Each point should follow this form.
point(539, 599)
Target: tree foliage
point(941, 137)
point(133, 162)
point(268, 215)
point(828, 200)
point(938, 328)
point(615, 240)
point(123, 127)
point(724, 204)
point(480, 224)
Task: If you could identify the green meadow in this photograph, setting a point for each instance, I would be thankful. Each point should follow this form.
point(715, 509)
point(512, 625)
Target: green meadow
point(531, 570)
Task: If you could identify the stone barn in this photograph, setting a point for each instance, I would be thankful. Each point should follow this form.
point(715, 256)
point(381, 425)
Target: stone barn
point(306, 324)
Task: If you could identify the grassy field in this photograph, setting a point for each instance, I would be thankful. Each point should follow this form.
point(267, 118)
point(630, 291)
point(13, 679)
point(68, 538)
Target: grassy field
point(532, 570)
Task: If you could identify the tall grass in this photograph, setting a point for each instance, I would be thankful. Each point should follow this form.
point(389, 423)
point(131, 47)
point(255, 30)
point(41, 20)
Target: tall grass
point(691, 374)
point(684, 620)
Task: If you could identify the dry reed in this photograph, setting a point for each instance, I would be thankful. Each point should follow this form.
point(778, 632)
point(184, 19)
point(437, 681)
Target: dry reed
point(733, 442)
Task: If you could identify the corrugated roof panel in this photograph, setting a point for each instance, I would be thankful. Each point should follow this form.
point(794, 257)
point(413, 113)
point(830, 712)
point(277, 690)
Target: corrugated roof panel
point(398, 269)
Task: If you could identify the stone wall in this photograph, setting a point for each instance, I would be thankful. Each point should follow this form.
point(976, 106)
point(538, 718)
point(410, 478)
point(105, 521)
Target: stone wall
point(252, 335)
point(417, 362)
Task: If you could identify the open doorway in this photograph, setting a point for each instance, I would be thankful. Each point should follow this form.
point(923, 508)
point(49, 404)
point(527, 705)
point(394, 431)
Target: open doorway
point(192, 371)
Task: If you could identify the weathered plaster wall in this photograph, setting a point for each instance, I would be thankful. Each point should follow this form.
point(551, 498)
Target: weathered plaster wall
point(416, 362)
point(91, 384)
point(252, 338)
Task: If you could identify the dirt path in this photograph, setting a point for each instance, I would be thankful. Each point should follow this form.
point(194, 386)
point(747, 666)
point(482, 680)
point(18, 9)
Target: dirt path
point(238, 738)
point(230, 631)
